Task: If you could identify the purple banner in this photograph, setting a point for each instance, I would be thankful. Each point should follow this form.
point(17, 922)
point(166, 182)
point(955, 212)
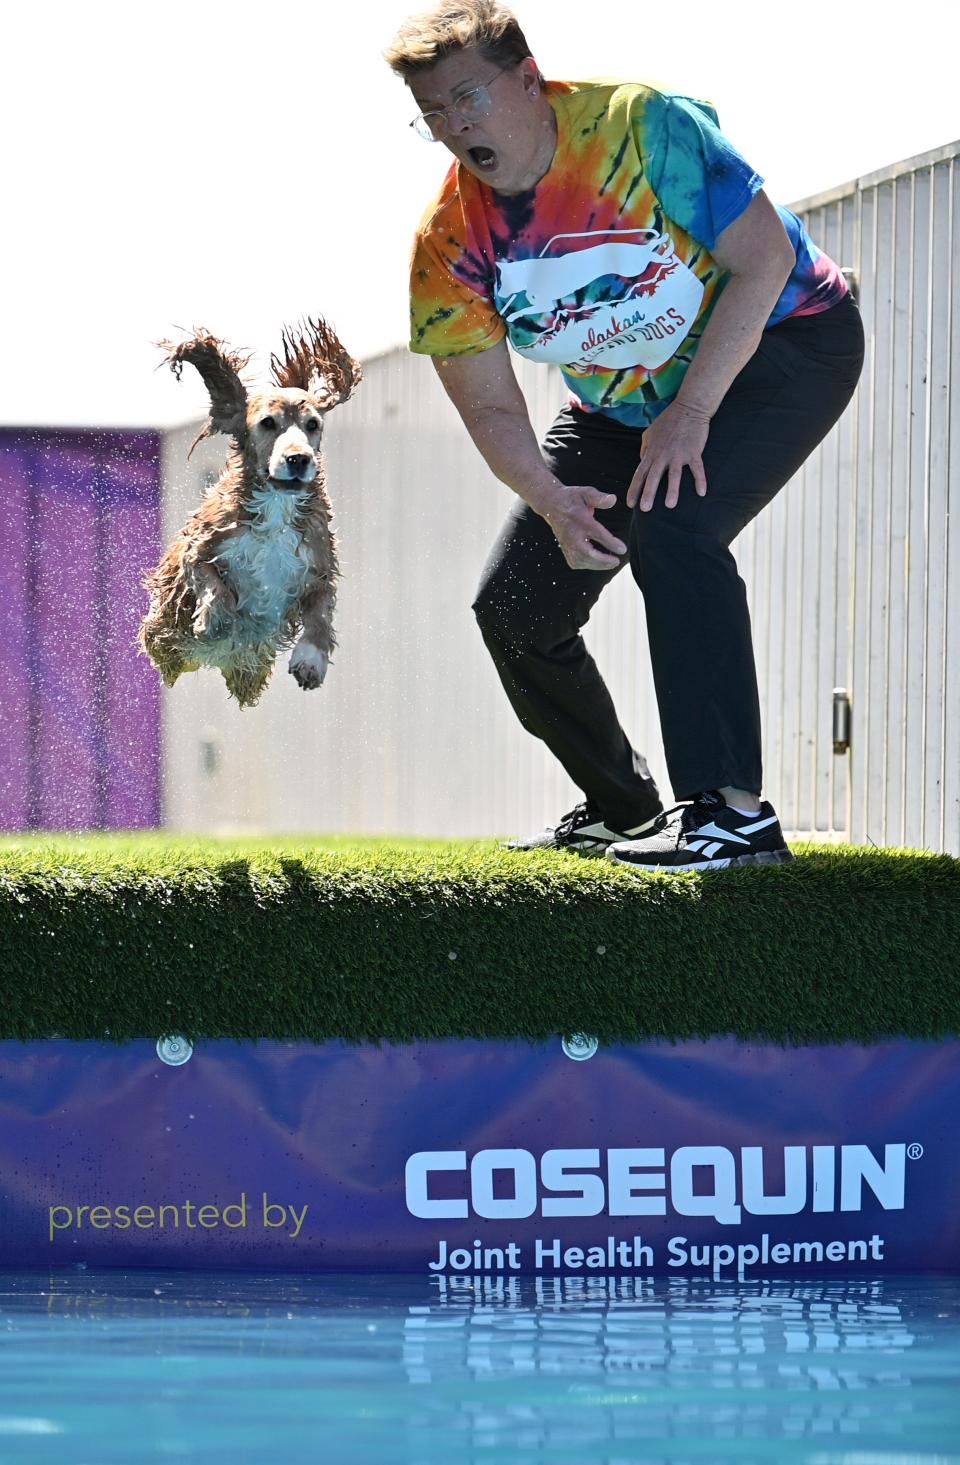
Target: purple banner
point(457, 1158)
point(81, 710)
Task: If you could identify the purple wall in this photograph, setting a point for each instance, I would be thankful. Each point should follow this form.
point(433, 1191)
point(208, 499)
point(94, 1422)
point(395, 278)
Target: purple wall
point(80, 709)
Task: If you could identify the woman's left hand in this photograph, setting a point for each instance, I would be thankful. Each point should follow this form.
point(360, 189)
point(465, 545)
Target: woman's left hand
point(675, 440)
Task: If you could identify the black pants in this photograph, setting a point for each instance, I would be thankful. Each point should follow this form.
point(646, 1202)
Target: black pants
point(531, 606)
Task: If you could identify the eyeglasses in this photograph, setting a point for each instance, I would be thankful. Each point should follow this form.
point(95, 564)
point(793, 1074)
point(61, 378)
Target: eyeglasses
point(434, 126)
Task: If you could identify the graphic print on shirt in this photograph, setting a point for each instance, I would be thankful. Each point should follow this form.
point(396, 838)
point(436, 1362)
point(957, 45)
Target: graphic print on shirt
point(593, 268)
point(609, 298)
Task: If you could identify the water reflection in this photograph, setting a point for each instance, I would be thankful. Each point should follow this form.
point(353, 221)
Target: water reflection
point(752, 1368)
point(426, 1370)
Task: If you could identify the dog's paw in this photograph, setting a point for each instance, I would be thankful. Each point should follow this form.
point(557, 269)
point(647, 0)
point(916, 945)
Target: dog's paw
point(308, 665)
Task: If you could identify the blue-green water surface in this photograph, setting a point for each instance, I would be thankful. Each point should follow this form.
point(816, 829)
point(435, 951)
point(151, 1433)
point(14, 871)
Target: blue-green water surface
point(104, 1367)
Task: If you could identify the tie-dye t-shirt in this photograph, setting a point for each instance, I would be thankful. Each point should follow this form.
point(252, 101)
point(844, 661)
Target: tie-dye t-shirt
point(604, 268)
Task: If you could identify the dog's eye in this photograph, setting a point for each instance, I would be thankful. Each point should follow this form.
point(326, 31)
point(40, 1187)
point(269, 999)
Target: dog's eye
point(268, 422)
point(311, 425)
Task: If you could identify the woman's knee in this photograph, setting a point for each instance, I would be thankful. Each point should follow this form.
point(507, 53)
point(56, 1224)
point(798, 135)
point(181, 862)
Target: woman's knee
point(502, 614)
point(506, 618)
point(515, 619)
point(671, 546)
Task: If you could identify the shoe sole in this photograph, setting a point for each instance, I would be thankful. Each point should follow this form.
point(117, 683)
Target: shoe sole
point(762, 857)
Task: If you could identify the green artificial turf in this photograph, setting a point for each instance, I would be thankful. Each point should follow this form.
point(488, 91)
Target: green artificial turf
point(369, 939)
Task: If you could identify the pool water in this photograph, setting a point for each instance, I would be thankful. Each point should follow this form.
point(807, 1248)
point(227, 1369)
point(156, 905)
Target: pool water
point(110, 1366)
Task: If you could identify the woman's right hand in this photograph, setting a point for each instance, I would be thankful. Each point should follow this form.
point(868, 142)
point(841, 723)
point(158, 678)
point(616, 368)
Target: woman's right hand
point(581, 537)
point(483, 388)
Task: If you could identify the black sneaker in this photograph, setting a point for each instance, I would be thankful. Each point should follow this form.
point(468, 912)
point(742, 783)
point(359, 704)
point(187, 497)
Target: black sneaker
point(584, 832)
point(708, 835)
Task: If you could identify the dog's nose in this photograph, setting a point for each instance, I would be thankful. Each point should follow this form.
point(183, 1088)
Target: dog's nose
point(296, 462)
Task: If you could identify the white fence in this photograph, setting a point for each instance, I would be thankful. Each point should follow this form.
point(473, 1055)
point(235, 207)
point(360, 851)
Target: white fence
point(856, 569)
point(853, 572)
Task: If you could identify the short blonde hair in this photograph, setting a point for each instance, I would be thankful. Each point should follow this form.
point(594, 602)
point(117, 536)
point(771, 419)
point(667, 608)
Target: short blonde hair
point(454, 25)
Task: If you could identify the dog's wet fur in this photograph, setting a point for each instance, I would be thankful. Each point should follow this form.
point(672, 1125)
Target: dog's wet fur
point(255, 567)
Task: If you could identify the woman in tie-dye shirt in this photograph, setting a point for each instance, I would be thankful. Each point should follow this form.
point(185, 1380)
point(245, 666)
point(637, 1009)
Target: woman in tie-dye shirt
point(707, 344)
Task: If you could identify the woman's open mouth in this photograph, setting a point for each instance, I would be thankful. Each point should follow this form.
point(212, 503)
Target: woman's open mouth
point(484, 158)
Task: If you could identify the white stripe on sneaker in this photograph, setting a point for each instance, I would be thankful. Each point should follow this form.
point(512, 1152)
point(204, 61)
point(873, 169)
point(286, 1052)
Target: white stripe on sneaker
point(642, 828)
point(595, 831)
point(758, 824)
point(712, 831)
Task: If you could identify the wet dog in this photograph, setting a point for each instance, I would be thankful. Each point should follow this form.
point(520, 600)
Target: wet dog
point(254, 570)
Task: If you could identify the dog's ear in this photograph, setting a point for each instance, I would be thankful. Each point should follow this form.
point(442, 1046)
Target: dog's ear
point(221, 371)
point(315, 361)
